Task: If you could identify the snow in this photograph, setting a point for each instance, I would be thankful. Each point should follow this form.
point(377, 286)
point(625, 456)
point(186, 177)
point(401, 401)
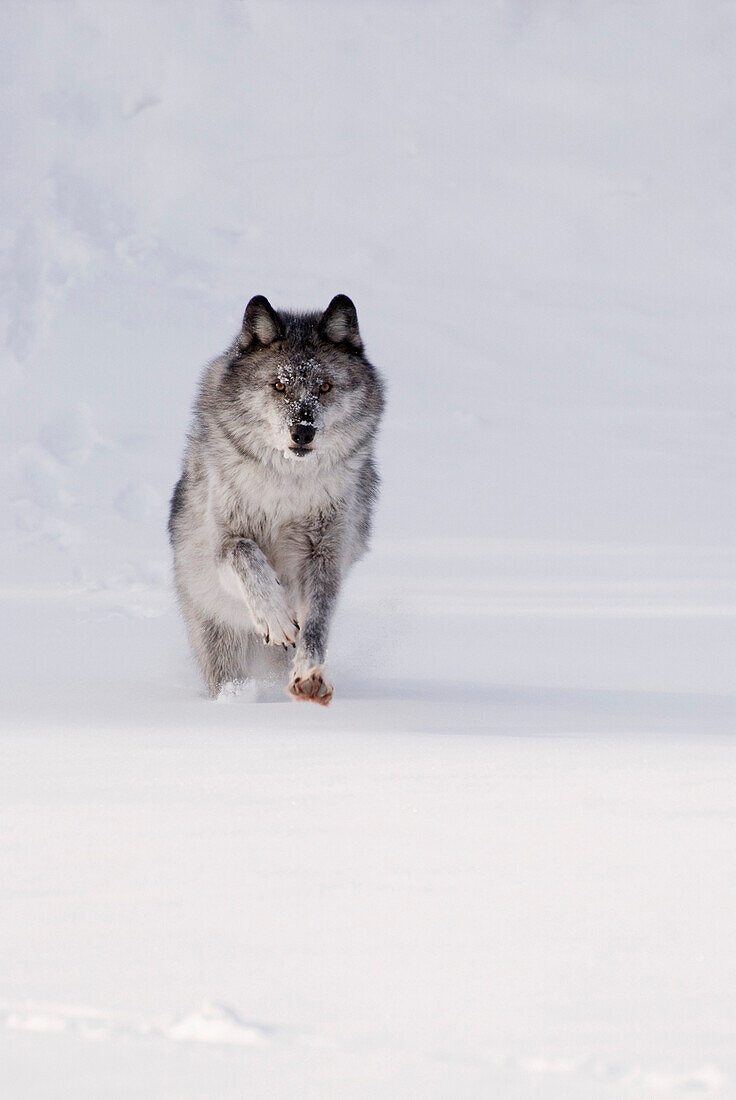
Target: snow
point(502, 861)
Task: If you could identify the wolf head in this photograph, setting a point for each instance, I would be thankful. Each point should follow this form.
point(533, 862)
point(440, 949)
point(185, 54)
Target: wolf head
point(299, 386)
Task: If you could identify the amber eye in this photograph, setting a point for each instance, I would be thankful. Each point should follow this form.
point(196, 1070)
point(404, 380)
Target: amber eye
point(325, 387)
point(279, 386)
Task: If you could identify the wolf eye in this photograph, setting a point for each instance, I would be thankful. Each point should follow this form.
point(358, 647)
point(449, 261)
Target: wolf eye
point(279, 386)
point(325, 387)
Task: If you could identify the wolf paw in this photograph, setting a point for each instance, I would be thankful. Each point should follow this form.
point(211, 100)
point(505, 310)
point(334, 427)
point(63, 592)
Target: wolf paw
point(311, 685)
point(276, 623)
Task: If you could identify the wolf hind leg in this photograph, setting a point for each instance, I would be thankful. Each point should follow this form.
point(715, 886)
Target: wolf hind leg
point(219, 649)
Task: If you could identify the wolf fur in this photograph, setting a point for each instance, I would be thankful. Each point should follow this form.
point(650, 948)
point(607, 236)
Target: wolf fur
point(274, 503)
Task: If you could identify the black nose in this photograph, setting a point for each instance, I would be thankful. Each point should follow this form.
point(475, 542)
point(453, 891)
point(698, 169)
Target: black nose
point(302, 434)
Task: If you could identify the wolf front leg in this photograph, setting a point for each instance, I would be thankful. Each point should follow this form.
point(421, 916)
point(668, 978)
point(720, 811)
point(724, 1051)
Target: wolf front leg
point(246, 574)
point(320, 586)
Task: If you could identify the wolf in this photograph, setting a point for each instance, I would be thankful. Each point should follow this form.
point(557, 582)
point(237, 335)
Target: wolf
point(275, 500)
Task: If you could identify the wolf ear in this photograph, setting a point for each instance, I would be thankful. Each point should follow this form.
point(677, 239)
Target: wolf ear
point(261, 323)
point(339, 323)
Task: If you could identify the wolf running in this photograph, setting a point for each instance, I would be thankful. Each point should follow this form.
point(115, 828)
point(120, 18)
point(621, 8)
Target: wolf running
point(275, 500)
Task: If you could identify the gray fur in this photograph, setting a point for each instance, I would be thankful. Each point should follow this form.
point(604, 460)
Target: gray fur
point(263, 525)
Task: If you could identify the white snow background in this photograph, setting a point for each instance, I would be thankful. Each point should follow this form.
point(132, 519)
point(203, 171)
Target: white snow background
point(503, 863)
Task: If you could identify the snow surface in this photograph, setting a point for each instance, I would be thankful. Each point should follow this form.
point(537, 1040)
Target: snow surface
point(502, 863)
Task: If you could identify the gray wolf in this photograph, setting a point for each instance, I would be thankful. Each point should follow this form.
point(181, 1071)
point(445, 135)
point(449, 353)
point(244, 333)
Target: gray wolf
point(274, 503)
